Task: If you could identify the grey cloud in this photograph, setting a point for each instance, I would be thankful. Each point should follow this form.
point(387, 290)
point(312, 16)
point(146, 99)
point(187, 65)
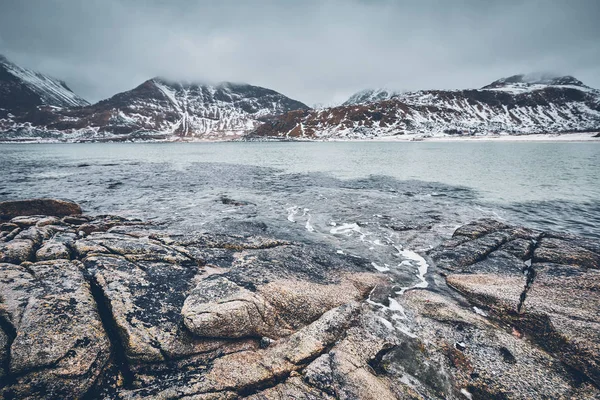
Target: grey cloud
point(314, 51)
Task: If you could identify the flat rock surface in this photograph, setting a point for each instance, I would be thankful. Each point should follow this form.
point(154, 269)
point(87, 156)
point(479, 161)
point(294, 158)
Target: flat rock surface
point(110, 308)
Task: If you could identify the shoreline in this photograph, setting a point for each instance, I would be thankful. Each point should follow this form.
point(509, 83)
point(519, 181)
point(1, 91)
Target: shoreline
point(219, 315)
point(588, 137)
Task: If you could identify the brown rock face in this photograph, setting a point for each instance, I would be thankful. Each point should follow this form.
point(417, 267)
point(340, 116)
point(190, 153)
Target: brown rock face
point(127, 311)
point(51, 207)
point(552, 296)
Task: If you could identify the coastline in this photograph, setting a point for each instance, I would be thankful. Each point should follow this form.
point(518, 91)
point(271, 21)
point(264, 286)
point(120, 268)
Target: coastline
point(535, 137)
point(261, 317)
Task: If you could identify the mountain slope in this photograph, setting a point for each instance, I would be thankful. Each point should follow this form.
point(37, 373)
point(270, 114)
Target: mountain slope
point(158, 109)
point(22, 89)
point(370, 96)
point(515, 105)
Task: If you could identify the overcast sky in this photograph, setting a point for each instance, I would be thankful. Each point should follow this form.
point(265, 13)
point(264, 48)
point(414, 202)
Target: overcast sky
point(317, 51)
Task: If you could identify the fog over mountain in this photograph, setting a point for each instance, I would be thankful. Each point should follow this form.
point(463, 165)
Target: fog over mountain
point(313, 51)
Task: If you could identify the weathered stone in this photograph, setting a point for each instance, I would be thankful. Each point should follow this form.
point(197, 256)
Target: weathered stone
point(145, 299)
point(136, 249)
point(345, 371)
point(218, 307)
point(53, 250)
point(8, 227)
point(244, 371)
point(60, 345)
point(555, 302)
point(564, 252)
point(16, 251)
point(35, 234)
point(50, 207)
point(492, 363)
point(76, 219)
point(479, 228)
point(34, 220)
point(4, 352)
point(215, 316)
point(293, 388)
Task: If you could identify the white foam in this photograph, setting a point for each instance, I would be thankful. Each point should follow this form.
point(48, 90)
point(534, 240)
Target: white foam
point(480, 311)
point(421, 267)
point(292, 211)
point(347, 229)
point(387, 323)
point(380, 268)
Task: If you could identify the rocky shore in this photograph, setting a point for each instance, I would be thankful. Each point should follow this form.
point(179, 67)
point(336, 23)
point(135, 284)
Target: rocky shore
point(103, 307)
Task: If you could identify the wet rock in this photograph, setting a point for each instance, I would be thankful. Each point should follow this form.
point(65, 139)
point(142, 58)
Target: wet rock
point(8, 227)
point(145, 299)
point(53, 250)
point(17, 251)
point(565, 252)
point(553, 300)
point(218, 307)
point(245, 372)
point(141, 313)
point(48, 207)
point(60, 346)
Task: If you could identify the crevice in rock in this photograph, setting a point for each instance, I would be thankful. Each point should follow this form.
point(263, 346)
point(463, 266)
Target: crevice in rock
point(530, 273)
point(376, 362)
point(278, 379)
point(11, 332)
point(112, 331)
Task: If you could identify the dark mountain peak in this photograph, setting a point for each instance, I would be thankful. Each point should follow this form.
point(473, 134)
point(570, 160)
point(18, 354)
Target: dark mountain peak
point(22, 89)
point(523, 80)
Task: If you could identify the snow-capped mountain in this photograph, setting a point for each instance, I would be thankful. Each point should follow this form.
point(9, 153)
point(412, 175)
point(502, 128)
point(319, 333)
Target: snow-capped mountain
point(514, 105)
point(370, 96)
point(22, 89)
point(35, 107)
point(157, 109)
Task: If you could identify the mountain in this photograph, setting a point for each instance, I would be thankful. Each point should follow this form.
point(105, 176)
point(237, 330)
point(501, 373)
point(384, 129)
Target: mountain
point(370, 96)
point(514, 105)
point(36, 107)
point(22, 89)
point(159, 109)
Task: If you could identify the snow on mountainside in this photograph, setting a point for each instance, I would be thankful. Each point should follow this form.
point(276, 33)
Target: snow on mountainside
point(160, 109)
point(515, 105)
point(23, 89)
point(36, 107)
point(370, 96)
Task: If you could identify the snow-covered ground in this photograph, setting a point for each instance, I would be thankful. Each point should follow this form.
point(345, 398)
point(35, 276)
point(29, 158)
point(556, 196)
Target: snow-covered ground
point(557, 137)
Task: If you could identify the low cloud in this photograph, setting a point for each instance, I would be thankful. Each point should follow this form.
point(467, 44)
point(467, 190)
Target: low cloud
point(314, 51)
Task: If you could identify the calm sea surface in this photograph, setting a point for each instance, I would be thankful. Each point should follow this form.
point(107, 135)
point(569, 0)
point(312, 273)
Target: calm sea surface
point(368, 199)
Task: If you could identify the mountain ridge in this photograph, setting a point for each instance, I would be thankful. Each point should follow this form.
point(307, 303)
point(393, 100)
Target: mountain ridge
point(156, 109)
point(513, 105)
point(22, 89)
point(34, 107)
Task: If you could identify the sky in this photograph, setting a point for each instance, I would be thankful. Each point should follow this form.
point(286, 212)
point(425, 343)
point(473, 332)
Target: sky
point(315, 51)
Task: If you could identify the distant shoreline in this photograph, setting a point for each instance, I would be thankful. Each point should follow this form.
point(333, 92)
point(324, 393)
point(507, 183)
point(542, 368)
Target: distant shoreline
point(536, 137)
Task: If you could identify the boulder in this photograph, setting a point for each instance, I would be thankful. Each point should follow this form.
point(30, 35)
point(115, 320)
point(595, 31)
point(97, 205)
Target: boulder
point(47, 207)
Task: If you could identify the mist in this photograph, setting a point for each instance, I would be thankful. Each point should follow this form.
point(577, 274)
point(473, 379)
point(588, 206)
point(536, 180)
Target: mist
point(312, 51)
